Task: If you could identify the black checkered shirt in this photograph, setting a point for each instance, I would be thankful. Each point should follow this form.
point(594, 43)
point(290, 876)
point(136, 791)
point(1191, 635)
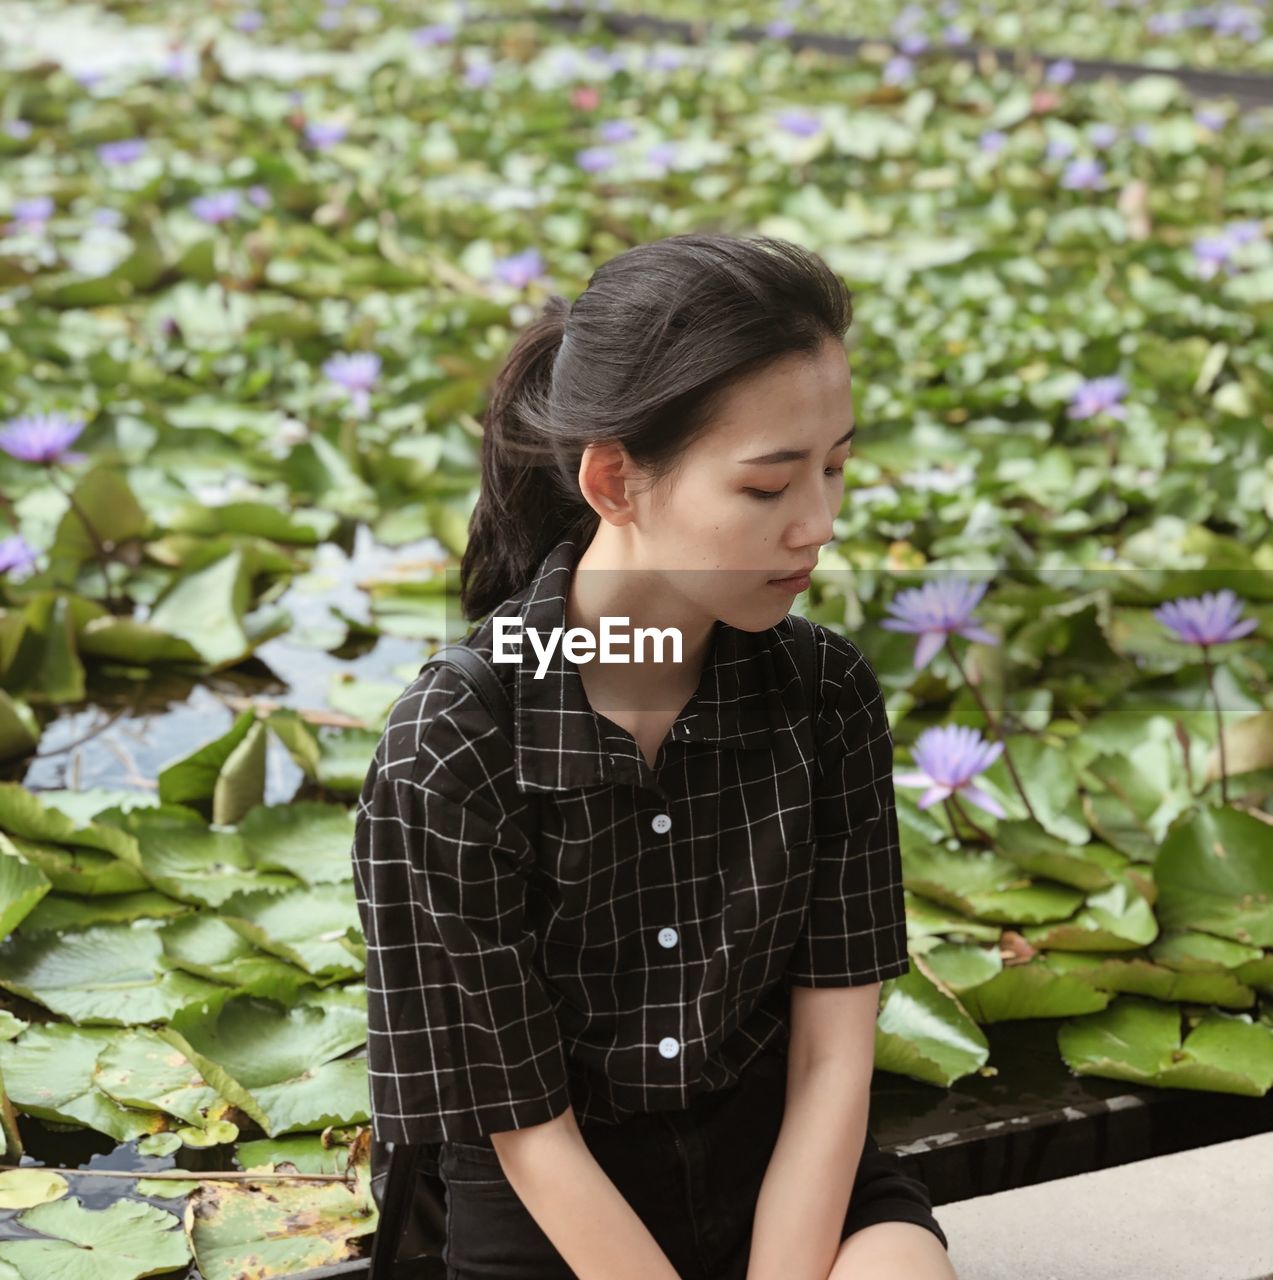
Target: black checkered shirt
point(638, 948)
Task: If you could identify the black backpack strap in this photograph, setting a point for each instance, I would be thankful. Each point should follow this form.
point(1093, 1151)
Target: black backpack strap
point(482, 677)
point(807, 663)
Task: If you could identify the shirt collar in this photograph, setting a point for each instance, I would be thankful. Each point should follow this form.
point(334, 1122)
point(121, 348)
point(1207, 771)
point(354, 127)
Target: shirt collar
point(560, 742)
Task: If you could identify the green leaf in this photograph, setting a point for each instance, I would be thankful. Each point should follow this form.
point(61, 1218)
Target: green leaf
point(1214, 874)
point(312, 841)
point(922, 1032)
point(1140, 1040)
point(297, 1227)
point(124, 1241)
point(48, 1072)
point(21, 888)
point(110, 973)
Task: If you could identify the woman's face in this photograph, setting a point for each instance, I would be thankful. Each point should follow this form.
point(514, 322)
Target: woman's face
point(755, 497)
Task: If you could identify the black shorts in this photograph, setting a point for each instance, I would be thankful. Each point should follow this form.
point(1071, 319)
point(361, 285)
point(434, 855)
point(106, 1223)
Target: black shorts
point(692, 1176)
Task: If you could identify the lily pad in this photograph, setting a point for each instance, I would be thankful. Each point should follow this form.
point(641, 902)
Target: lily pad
point(124, 1241)
point(1214, 874)
point(303, 926)
point(985, 886)
point(48, 1072)
point(1032, 990)
point(312, 841)
point(109, 973)
point(1087, 867)
point(23, 1188)
point(1140, 1040)
point(923, 1033)
point(204, 945)
point(21, 888)
point(283, 1059)
point(237, 1230)
point(1114, 919)
point(139, 1069)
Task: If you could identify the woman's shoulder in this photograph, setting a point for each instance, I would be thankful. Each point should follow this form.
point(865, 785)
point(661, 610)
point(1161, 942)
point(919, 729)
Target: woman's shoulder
point(440, 715)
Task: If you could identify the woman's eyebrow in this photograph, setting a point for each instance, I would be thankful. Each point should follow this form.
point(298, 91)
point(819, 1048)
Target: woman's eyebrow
point(794, 455)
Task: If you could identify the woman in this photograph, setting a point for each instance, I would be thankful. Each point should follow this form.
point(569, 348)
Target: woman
point(625, 967)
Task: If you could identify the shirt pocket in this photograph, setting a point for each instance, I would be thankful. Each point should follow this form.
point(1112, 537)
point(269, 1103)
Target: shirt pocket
point(764, 918)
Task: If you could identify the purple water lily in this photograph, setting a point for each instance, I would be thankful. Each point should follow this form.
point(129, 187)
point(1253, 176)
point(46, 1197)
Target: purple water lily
point(662, 155)
point(122, 151)
point(249, 20)
point(955, 35)
point(1210, 118)
point(617, 131)
point(478, 74)
point(43, 438)
point(897, 70)
point(31, 213)
point(1208, 619)
point(913, 43)
point(18, 128)
point(355, 373)
point(519, 269)
point(594, 159)
point(992, 141)
point(1215, 252)
point(1083, 174)
point(259, 196)
point(1059, 148)
point(216, 206)
point(779, 28)
point(17, 555)
point(1102, 135)
point(324, 133)
point(666, 59)
point(801, 124)
point(434, 33)
point(935, 610)
point(949, 758)
point(1211, 618)
point(1060, 72)
point(1099, 395)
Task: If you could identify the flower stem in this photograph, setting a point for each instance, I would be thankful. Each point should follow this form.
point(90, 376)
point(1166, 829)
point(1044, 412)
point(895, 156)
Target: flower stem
point(953, 807)
point(995, 727)
point(103, 556)
point(1215, 698)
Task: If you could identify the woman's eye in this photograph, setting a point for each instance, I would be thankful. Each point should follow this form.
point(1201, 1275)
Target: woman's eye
point(768, 495)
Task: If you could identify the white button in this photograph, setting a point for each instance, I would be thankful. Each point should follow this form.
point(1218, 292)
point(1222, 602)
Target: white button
point(667, 937)
point(669, 1046)
point(661, 823)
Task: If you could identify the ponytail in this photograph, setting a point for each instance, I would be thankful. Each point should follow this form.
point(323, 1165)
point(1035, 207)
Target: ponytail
point(526, 505)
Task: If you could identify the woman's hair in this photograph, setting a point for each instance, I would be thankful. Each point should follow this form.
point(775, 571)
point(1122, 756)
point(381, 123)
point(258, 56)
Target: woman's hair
point(644, 357)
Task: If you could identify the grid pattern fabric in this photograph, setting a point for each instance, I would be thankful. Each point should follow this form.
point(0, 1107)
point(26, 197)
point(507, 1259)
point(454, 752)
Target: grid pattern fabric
point(550, 922)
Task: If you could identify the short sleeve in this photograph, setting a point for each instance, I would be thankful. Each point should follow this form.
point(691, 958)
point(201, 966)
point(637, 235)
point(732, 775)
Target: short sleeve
point(855, 927)
point(462, 1038)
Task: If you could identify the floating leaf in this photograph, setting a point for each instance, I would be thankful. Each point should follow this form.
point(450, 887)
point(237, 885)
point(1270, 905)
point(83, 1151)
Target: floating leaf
point(48, 1072)
point(1139, 1040)
point(236, 1229)
point(1214, 874)
point(312, 841)
point(922, 1032)
point(109, 973)
point(124, 1241)
point(22, 1188)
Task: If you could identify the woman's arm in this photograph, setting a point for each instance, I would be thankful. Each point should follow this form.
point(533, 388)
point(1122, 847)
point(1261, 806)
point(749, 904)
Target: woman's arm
point(576, 1205)
point(805, 1195)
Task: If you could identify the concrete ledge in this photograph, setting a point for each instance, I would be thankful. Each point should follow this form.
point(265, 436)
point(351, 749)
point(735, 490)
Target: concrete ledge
point(1205, 1214)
